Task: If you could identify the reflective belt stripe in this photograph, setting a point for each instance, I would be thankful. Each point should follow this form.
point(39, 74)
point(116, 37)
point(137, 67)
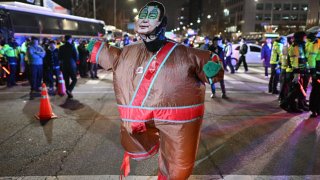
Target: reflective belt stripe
point(61, 81)
point(149, 77)
point(172, 114)
point(44, 97)
point(56, 67)
point(146, 154)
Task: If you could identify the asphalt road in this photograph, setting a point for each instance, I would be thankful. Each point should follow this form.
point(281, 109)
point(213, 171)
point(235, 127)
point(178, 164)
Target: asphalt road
point(244, 137)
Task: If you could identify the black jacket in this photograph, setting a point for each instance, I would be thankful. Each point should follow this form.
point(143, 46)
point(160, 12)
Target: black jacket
point(68, 55)
point(51, 59)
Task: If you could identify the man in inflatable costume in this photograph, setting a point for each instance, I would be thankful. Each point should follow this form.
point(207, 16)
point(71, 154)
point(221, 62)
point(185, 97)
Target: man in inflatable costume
point(160, 91)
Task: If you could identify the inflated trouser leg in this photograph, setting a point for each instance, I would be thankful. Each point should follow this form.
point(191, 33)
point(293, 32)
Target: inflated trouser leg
point(178, 148)
point(138, 146)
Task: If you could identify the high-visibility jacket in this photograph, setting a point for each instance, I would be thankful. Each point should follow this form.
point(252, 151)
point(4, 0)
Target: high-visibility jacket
point(284, 58)
point(312, 50)
point(298, 58)
point(8, 51)
point(276, 53)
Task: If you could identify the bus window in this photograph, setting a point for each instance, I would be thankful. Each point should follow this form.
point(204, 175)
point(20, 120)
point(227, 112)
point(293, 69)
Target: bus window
point(28, 23)
point(69, 25)
point(49, 25)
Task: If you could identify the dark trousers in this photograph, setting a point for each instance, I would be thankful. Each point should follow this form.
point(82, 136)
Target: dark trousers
point(266, 69)
point(36, 72)
point(223, 88)
point(315, 95)
point(11, 79)
point(242, 59)
point(70, 73)
point(285, 79)
point(229, 64)
point(93, 70)
point(295, 93)
point(83, 68)
point(48, 77)
point(274, 79)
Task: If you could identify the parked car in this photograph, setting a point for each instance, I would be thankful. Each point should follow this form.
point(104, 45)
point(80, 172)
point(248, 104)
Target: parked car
point(253, 55)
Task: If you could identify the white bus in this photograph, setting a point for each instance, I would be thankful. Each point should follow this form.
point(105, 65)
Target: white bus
point(24, 20)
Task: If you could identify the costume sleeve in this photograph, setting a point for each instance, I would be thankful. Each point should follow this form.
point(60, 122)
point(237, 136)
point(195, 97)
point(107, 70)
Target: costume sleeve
point(201, 58)
point(105, 55)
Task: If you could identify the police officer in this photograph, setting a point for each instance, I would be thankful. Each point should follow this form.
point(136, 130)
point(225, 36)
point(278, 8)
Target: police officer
point(298, 62)
point(284, 63)
point(276, 55)
point(10, 53)
point(314, 65)
point(69, 55)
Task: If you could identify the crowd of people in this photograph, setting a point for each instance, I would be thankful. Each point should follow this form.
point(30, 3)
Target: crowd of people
point(43, 62)
point(294, 63)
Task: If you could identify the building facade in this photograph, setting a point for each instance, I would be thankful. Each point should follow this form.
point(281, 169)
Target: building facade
point(314, 13)
point(283, 17)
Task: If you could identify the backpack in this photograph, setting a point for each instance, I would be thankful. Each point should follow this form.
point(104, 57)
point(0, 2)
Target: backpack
point(244, 49)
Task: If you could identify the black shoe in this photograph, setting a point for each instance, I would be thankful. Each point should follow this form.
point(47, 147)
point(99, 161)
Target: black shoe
point(284, 107)
point(213, 96)
point(96, 77)
point(275, 92)
point(224, 96)
point(69, 94)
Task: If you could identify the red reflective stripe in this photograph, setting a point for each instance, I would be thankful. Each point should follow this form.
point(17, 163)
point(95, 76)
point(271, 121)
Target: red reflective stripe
point(125, 166)
point(149, 75)
point(178, 114)
point(95, 51)
point(151, 152)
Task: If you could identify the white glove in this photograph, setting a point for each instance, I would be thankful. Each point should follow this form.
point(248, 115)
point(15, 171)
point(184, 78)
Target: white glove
point(296, 78)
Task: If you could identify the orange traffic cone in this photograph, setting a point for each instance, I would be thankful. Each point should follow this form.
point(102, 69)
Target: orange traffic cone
point(61, 85)
point(45, 112)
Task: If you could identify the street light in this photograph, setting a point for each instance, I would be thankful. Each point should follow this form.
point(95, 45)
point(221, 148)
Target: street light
point(135, 10)
point(209, 16)
point(226, 12)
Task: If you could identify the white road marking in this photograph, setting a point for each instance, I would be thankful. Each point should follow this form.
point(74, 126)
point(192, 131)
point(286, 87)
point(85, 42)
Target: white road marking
point(231, 80)
point(208, 156)
point(92, 82)
point(254, 79)
point(256, 70)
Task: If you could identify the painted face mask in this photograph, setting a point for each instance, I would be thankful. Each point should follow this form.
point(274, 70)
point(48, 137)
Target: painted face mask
point(148, 21)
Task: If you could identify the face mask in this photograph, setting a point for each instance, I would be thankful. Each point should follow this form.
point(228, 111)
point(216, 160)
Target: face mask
point(148, 21)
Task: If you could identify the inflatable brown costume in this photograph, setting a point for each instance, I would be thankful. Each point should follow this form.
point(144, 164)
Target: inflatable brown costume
point(160, 91)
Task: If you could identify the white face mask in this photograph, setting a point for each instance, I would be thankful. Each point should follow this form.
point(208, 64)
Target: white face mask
point(148, 20)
